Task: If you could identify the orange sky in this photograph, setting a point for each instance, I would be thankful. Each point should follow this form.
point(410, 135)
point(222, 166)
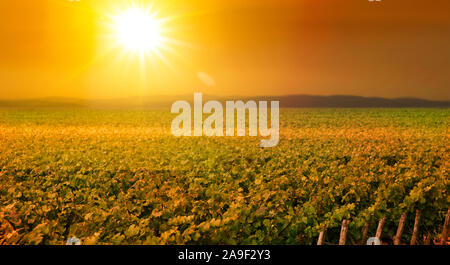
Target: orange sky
point(393, 48)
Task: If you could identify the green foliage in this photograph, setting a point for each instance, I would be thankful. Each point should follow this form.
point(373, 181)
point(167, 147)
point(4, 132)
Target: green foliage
point(120, 177)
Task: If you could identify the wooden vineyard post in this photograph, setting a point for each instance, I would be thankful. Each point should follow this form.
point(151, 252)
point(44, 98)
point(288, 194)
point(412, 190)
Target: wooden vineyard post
point(344, 229)
point(401, 225)
point(444, 237)
point(416, 228)
point(364, 233)
point(321, 237)
point(427, 239)
point(380, 227)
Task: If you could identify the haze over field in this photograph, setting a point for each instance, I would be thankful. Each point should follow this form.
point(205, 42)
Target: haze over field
point(165, 102)
point(246, 48)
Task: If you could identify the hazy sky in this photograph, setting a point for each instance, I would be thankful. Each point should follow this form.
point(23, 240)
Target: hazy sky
point(392, 48)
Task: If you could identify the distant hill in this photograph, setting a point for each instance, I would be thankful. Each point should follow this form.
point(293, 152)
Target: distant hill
point(290, 101)
point(338, 101)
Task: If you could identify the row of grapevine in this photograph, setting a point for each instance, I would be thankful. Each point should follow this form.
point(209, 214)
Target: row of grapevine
point(120, 177)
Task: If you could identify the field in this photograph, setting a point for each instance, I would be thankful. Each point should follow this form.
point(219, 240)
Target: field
point(120, 177)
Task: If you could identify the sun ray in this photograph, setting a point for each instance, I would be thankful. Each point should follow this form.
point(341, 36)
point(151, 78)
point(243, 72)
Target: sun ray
point(140, 32)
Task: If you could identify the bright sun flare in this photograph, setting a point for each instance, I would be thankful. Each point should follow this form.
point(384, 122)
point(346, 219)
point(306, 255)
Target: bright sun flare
point(139, 30)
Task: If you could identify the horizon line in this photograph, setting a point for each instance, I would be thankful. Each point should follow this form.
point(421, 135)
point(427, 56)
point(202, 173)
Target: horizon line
point(211, 95)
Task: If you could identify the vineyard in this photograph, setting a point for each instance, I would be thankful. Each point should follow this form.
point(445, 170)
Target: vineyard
point(120, 177)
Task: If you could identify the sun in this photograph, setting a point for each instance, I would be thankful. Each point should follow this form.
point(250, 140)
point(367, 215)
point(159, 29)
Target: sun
point(138, 33)
point(139, 30)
